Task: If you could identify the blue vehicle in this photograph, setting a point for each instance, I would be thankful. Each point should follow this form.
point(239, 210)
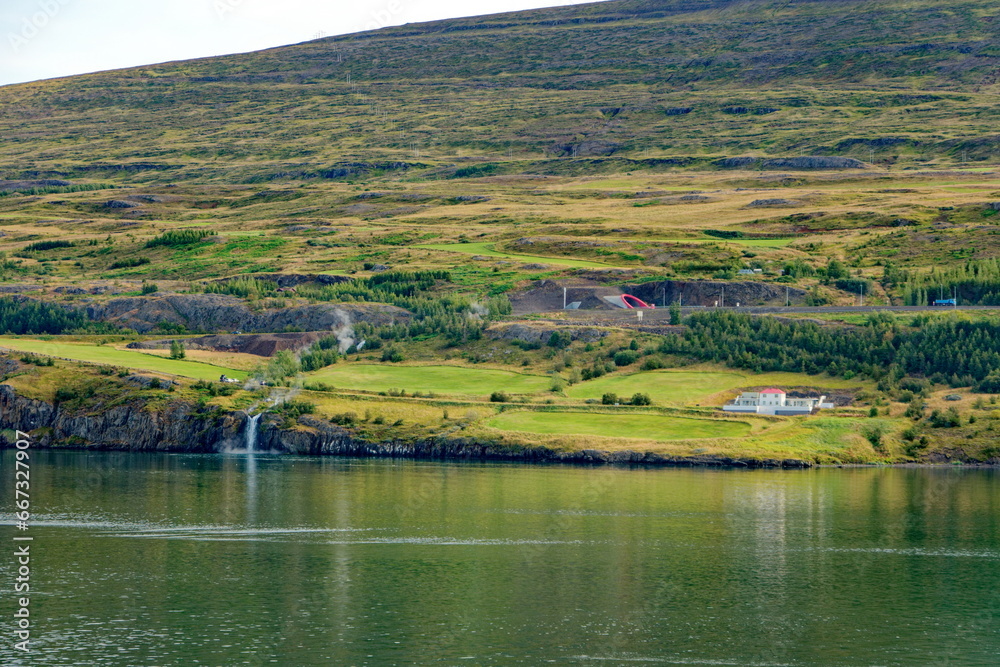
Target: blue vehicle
point(945, 302)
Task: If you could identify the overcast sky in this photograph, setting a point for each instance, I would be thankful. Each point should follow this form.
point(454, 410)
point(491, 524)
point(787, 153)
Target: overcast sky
point(41, 39)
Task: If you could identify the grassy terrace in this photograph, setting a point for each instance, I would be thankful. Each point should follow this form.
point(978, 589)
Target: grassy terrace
point(447, 380)
point(638, 426)
point(690, 387)
point(488, 250)
point(96, 354)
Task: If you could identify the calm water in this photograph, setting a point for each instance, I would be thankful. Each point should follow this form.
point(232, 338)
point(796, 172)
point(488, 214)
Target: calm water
point(225, 560)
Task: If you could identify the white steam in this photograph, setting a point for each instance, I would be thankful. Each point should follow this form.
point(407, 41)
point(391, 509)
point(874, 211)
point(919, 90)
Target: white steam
point(477, 311)
point(344, 331)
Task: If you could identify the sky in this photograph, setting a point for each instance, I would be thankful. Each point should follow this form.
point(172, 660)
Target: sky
point(41, 39)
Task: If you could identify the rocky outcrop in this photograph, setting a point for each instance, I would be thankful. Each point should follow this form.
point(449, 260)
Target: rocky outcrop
point(586, 149)
point(707, 292)
point(533, 333)
point(219, 312)
point(804, 162)
point(180, 427)
point(773, 203)
point(547, 295)
point(262, 345)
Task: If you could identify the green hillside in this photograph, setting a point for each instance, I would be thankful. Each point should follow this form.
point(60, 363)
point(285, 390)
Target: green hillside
point(432, 190)
point(618, 81)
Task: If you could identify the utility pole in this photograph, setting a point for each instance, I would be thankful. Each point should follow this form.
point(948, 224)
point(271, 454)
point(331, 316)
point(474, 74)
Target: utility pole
point(723, 295)
point(788, 299)
point(564, 298)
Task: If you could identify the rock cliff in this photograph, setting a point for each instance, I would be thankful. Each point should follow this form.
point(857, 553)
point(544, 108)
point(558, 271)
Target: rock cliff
point(181, 427)
point(224, 313)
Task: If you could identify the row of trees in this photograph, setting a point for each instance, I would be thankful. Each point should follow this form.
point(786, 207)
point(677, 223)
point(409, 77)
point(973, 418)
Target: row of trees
point(19, 316)
point(974, 282)
point(953, 350)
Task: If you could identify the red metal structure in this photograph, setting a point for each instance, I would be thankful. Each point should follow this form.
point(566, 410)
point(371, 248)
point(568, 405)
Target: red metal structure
point(635, 302)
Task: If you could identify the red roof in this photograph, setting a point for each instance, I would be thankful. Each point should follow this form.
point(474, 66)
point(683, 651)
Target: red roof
point(772, 390)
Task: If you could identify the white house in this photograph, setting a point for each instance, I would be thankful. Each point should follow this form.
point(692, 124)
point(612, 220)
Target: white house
point(775, 402)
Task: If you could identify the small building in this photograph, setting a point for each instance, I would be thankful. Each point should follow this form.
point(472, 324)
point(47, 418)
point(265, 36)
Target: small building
point(773, 401)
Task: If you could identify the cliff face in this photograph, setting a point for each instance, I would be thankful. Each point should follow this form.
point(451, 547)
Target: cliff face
point(180, 428)
point(220, 312)
point(127, 427)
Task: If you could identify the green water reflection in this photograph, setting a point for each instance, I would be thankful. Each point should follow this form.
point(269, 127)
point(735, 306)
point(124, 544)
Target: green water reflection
point(225, 560)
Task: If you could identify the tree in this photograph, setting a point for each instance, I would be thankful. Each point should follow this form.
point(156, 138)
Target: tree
point(836, 270)
point(609, 399)
point(641, 399)
point(177, 350)
point(559, 340)
point(675, 314)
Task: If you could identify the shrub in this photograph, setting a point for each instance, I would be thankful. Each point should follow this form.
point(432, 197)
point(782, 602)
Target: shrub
point(392, 355)
point(559, 340)
point(178, 237)
point(675, 314)
point(129, 263)
point(915, 410)
point(947, 419)
point(345, 418)
point(652, 364)
point(150, 288)
point(873, 434)
point(609, 399)
point(499, 397)
point(641, 399)
point(990, 384)
point(295, 409)
point(625, 357)
point(64, 394)
point(41, 246)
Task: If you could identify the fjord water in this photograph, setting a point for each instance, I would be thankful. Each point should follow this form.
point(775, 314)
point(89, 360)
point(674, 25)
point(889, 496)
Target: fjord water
point(236, 560)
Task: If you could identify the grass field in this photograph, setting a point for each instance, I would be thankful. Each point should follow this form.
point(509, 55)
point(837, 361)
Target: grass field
point(679, 387)
point(488, 250)
point(644, 427)
point(453, 380)
point(689, 387)
point(127, 358)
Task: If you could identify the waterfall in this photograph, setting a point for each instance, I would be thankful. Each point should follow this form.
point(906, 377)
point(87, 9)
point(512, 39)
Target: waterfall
point(250, 437)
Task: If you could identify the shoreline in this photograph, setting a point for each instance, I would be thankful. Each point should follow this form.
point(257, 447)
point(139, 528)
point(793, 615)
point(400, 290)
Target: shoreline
point(582, 458)
point(181, 427)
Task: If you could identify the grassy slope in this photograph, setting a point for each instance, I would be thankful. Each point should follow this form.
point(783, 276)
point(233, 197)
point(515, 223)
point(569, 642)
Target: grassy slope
point(448, 380)
point(642, 427)
point(125, 358)
point(489, 250)
point(243, 146)
point(680, 387)
point(528, 82)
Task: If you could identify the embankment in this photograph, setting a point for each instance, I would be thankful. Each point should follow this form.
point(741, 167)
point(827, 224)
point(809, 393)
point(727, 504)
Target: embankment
point(184, 427)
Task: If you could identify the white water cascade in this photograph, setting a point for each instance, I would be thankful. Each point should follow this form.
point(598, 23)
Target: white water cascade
point(250, 436)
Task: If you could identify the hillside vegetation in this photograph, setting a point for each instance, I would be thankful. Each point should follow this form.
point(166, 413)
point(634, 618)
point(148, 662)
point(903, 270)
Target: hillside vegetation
point(403, 193)
point(912, 80)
